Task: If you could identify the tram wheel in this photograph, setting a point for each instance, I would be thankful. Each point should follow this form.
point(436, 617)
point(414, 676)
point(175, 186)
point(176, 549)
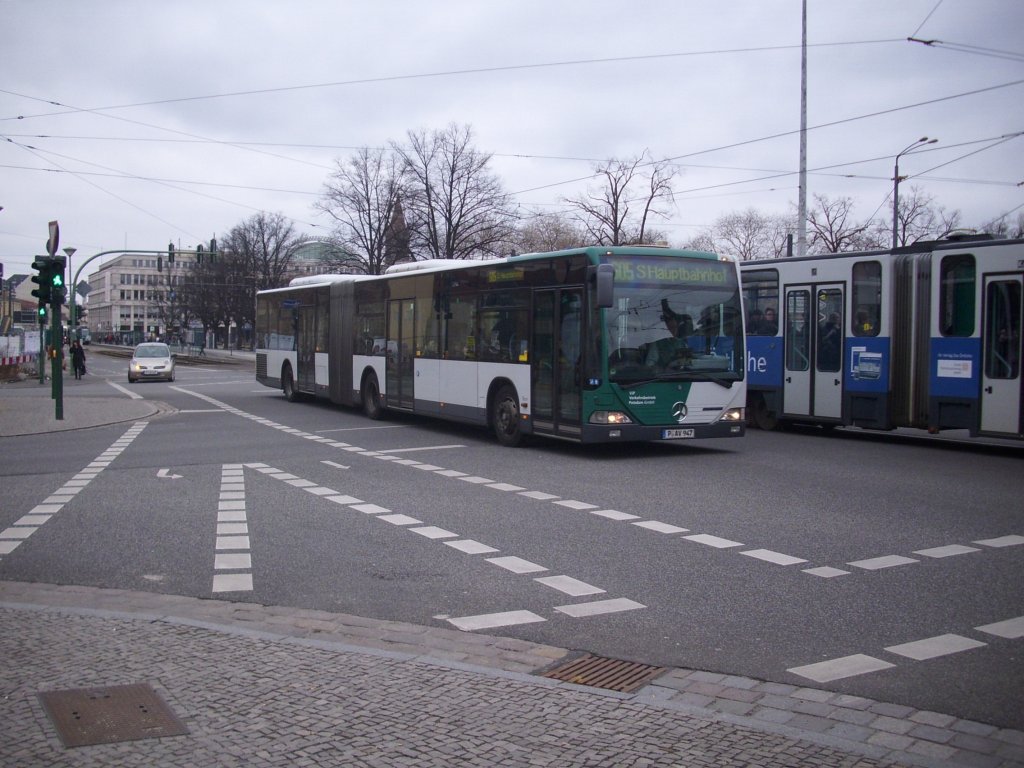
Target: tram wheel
point(764, 418)
point(372, 405)
point(505, 416)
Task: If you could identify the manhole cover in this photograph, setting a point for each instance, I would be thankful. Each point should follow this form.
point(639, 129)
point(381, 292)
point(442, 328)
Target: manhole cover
point(86, 716)
point(602, 672)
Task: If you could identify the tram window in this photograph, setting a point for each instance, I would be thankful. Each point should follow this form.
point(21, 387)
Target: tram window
point(760, 300)
point(425, 334)
point(1002, 330)
point(867, 297)
point(957, 289)
point(798, 335)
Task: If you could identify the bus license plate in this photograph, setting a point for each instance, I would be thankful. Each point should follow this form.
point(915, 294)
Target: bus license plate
point(676, 434)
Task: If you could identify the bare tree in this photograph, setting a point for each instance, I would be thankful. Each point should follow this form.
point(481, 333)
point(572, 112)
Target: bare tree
point(918, 218)
point(832, 228)
point(1005, 227)
point(263, 246)
point(631, 192)
point(543, 232)
point(456, 208)
point(747, 235)
point(363, 196)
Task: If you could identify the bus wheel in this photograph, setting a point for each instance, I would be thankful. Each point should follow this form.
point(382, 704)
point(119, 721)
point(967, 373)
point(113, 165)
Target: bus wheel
point(505, 416)
point(763, 417)
point(288, 385)
point(372, 405)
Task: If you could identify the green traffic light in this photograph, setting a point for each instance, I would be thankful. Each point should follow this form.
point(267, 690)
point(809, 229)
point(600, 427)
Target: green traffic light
point(42, 311)
point(58, 281)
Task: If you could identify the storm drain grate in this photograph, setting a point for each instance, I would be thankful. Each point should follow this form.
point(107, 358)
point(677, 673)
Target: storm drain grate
point(602, 672)
point(87, 716)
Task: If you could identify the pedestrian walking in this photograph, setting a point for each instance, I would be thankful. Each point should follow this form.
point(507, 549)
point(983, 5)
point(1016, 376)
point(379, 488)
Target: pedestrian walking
point(78, 358)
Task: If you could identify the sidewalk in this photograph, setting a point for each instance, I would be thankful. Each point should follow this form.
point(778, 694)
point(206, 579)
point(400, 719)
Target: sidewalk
point(258, 685)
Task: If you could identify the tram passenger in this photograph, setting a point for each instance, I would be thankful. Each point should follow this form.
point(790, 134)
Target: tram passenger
point(770, 326)
point(830, 344)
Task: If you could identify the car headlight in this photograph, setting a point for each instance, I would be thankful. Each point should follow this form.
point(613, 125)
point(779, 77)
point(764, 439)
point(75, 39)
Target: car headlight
point(733, 414)
point(609, 417)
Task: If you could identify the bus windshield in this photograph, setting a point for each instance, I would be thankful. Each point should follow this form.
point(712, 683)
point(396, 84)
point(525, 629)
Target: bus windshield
point(674, 319)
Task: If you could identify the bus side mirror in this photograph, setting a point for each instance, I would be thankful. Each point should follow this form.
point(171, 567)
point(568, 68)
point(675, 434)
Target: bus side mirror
point(604, 283)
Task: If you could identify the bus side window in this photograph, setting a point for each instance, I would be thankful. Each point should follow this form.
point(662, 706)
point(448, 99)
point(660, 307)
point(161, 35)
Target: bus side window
point(457, 340)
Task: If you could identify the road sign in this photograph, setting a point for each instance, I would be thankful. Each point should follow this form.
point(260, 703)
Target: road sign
point(54, 241)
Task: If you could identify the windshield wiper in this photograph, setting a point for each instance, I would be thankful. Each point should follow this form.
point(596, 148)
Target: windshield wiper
point(724, 381)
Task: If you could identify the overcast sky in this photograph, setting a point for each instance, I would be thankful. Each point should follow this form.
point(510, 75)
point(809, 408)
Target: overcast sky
point(134, 123)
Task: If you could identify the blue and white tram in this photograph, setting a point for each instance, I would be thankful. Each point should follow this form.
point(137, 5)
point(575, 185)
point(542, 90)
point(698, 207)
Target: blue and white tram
point(927, 336)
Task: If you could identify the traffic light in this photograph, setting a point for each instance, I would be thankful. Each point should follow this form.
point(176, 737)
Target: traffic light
point(43, 265)
point(58, 291)
point(199, 254)
point(41, 313)
point(170, 253)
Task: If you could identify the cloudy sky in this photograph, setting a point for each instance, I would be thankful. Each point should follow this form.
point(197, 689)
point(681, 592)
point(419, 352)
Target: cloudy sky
point(136, 122)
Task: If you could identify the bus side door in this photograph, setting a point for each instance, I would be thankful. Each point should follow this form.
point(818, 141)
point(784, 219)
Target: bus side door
point(305, 345)
point(1001, 390)
point(555, 360)
point(401, 350)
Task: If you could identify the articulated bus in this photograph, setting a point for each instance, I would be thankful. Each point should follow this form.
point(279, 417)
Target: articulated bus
point(927, 336)
point(588, 345)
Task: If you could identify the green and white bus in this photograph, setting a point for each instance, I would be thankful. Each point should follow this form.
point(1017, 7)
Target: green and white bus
point(589, 345)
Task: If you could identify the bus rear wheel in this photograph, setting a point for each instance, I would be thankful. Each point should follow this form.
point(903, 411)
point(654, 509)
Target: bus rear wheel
point(288, 384)
point(372, 405)
point(505, 416)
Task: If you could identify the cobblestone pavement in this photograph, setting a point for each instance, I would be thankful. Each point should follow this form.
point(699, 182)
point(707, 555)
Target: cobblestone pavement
point(273, 686)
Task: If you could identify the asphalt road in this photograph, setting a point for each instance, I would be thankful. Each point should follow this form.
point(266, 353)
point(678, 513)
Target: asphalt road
point(875, 567)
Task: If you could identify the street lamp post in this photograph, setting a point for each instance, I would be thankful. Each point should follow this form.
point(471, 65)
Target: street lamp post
point(71, 293)
point(896, 183)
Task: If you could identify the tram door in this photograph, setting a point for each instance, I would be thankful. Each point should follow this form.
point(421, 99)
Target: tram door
point(305, 376)
point(556, 360)
point(814, 334)
point(401, 352)
point(1001, 390)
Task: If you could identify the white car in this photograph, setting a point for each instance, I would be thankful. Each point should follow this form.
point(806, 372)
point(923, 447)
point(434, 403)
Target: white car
point(151, 361)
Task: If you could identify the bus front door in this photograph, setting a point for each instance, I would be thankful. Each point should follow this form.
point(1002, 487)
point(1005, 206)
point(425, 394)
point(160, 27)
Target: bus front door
point(305, 346)
point(814, 344)
point(400, 353)
point(555, 361)
point(1001, 387)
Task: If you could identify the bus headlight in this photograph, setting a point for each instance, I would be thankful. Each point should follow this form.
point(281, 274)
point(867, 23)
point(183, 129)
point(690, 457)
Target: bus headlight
point(609, 417)
point(734, 414)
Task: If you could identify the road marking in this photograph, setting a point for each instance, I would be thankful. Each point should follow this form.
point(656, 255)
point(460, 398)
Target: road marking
point(947, 551)
point(232, 534)
point(1002, 541)
point(837, 669)
point(614, 514)
point(13, 536)
point(433, 532)
point(826, 572)
point(423, 448)
point(470, 546)
point(516, 564)
point(599, 607)
point(712, 541)
point(119, 388)
point(772, 557)
point(570, 586)
point(933, 647)
point(573, 504)
point(493, 620)
point(400, 520)
point(1011, 629)
point(887, 561)
point(654, 525)
point(336, 465)
point(163, 473)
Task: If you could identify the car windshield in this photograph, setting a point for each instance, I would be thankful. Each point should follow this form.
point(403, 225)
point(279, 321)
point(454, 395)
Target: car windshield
point(157, 350)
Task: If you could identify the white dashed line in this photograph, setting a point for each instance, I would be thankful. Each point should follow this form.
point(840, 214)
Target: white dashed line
point(772, 557)
point(887, 561)
point(493, 620)
point(837, 669)
point(933, 647)
point(599, 607)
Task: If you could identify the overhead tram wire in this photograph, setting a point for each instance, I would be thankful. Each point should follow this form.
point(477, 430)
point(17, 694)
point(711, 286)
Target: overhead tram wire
point(783, 134)
point(445, 73)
